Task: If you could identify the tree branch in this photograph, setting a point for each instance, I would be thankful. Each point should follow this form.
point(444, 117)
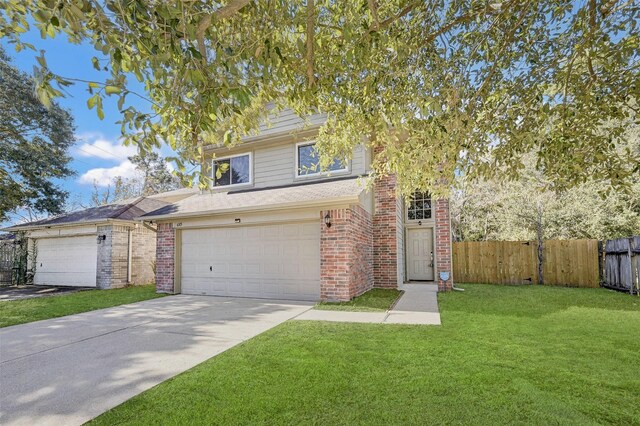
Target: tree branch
point(402, 13)
point(592, 28)
point(311, 79)
point(464, 19)
point(507, 39)
point(608, 8)
point(224, 12)
point(373, 7)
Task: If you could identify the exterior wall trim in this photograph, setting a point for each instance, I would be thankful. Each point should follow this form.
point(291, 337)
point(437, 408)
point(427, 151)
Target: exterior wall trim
point(177, 274)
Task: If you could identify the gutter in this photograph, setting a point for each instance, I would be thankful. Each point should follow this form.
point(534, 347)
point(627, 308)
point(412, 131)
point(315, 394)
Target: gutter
point(17, 228)
point(53, 225)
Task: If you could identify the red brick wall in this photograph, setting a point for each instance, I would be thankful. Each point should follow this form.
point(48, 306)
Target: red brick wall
point(385, 226)
point(346, 254)
point(361, 262)
point(165, 258)
point(443, 243)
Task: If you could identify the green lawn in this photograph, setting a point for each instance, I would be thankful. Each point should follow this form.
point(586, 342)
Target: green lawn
point(28, 310)
point(504, 355)
point(378, 299)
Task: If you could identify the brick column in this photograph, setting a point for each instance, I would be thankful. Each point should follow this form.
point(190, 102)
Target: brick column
point(119, 256)
point(385, 233)
point(346, 252)
point(104, 270)
point(334, 256)
point(443, 243)
point(143, 256)
point(165, 257)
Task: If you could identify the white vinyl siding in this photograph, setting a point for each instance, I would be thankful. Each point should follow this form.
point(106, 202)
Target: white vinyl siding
point(358, 161)
point(274, 151)
point(275, 166)
point(288, 122)
point(66, 261)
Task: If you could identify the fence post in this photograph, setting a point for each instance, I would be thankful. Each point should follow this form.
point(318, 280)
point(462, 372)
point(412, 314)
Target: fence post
point(632, 280)
point(540, 262)
point(602, 255)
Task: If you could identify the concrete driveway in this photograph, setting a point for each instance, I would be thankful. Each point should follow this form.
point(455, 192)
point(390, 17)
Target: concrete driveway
point(68, 370)
point(8, 294)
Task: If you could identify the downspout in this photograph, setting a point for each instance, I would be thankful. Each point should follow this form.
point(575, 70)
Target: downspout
point(129, 257)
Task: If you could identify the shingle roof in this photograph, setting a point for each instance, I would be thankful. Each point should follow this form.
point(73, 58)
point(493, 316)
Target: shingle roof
point(255, 199)
point(128, 210)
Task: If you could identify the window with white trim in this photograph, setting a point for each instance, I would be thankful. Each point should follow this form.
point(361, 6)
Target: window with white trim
point(234, 170)
point(419, 207)
point(308, 161)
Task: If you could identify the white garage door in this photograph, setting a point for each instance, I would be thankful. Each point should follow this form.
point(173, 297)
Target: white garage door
point(280, 261)
point(69, 261)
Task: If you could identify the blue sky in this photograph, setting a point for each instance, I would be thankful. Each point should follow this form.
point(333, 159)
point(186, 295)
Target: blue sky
point(98, 154)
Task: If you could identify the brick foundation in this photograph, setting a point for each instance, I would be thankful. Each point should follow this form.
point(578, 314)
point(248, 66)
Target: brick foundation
point(165, 258)
point(443, 243)
point(346, 254)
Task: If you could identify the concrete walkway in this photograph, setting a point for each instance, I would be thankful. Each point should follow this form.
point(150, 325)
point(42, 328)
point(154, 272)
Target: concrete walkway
point(417, 305)
point(68, 370)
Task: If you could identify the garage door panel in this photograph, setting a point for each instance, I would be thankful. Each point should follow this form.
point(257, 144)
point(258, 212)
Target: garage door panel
point(268, 261)
point(68, 261)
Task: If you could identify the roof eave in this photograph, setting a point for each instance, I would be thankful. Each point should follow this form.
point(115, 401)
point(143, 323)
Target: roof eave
point(347, 199)
point(17, 228)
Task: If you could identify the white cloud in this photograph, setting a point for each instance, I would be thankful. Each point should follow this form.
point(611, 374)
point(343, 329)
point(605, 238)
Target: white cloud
point(103, 177)
point(105, 149)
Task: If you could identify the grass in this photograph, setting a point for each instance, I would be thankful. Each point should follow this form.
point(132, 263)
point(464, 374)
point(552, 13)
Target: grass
point(40, 308)
point(375, 300)
point(504, 355)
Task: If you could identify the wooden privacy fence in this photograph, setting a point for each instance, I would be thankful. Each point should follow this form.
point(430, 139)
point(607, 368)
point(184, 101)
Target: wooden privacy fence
point(622, 264)
point(573, 263)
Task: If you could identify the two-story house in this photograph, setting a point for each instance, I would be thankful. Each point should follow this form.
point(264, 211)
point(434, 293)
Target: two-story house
point(273, 225)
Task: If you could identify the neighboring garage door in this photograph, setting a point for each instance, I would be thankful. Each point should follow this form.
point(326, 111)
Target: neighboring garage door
point(69, 261)
point(280, 261)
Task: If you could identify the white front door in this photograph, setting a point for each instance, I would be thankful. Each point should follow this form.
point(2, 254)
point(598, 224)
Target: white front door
point(420, 255)
point(66, 261)
point(279, 261)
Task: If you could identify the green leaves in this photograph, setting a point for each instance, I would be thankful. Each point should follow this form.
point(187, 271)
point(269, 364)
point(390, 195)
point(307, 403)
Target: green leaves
point(95, 101)
point(92, 101)
point(34, 142)
point(112, 90)
point(434, 88)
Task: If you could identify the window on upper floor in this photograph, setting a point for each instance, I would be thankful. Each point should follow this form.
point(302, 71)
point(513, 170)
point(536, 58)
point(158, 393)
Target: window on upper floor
point(234, 170)
point(308, 161)
point(419, 207)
